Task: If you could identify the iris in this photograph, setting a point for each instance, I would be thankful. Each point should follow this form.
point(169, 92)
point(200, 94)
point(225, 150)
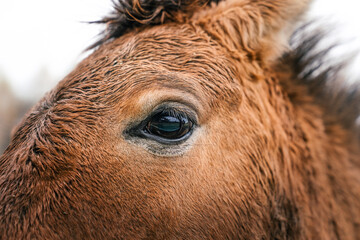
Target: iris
point(169, 124)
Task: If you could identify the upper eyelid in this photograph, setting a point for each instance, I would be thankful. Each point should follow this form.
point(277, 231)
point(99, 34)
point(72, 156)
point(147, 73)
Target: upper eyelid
point(173, 111)
point(147, 101)
point(179, 107)
point(160, 109)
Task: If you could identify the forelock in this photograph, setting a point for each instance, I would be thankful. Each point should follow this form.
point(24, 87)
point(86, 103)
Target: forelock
point(129, 14)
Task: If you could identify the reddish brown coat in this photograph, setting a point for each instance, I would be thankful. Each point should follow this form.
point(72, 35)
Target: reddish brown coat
point(266, 161)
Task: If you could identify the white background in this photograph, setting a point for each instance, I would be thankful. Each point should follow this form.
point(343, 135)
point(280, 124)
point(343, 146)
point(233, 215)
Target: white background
point(42, 40)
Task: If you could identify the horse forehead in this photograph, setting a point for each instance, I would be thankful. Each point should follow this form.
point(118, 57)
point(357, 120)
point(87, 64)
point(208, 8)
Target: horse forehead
point(169, 44)
point(174, 51)
point(156, 58)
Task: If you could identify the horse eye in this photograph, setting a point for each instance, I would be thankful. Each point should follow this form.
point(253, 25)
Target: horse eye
point(169, 125)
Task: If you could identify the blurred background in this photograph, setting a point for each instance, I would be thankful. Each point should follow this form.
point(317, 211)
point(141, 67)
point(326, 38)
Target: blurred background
point(41, 41)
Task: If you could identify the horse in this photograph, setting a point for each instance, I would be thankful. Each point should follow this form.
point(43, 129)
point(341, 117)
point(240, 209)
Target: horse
point(201, 119)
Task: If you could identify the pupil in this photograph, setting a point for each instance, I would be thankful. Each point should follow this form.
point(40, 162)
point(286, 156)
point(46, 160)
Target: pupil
point(167, 124)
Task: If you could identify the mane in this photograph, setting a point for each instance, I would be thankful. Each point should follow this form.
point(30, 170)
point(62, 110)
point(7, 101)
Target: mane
point(129, 14)
point(325, 78)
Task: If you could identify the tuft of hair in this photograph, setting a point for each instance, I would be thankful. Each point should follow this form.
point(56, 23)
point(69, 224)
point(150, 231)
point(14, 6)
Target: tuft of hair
point(325, 79)
point(129, 14)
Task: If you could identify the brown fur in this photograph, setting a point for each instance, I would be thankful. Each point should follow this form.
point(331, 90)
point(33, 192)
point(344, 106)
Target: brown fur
point(265, 161)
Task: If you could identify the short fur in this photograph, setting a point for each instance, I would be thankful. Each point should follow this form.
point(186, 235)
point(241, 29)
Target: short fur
point(268, 159)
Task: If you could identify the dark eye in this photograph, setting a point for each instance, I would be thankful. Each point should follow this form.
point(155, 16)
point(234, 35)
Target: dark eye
point(169, 125)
